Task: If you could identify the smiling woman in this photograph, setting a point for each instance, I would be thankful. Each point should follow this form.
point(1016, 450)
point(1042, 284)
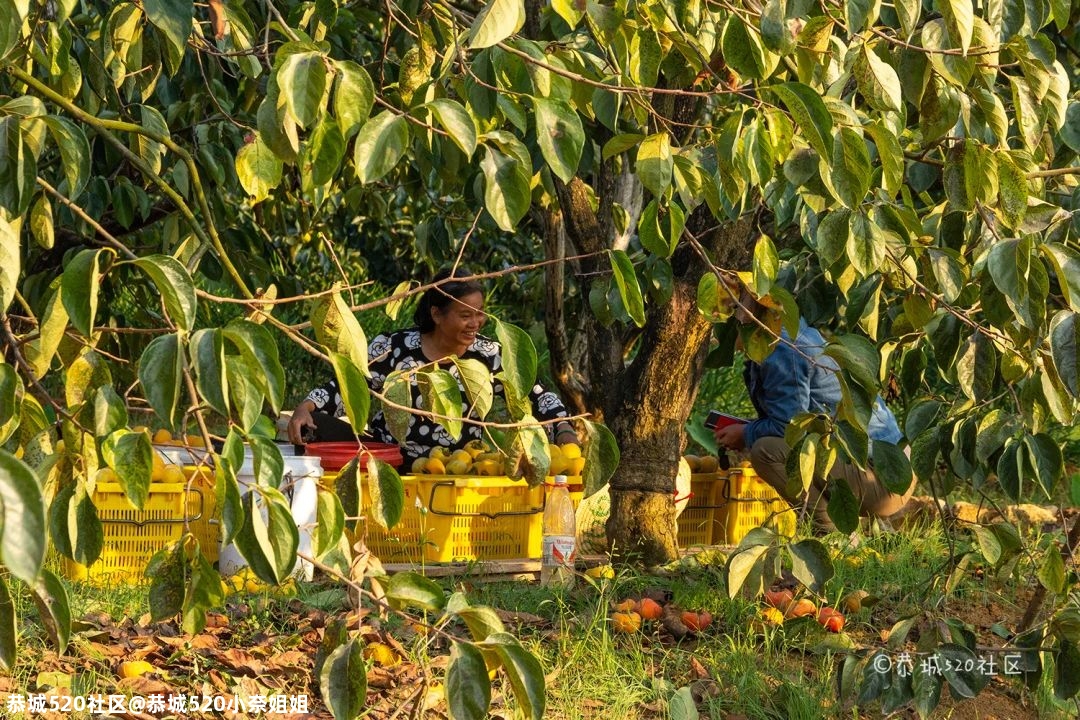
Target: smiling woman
point(448, 320)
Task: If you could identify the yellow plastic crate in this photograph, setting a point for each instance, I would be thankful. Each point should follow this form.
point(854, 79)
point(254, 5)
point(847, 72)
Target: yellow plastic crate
point(702, 521)
point(461, 518)
point(751, 502)
point(131, 537)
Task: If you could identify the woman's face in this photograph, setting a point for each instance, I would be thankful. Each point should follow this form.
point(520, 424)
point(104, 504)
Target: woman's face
point(459, 322)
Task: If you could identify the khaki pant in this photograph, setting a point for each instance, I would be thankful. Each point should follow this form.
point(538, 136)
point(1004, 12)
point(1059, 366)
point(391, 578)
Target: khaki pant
point(769, 457)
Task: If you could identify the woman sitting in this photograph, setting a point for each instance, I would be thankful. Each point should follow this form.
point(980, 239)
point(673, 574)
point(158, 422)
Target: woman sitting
point(448, 321)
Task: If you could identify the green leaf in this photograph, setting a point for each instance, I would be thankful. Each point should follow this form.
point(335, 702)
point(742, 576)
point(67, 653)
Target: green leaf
point(51, 598)
point(380, 144)
point(629, 289)
point(765, 266)
point(355, 395)
point(1013, 194)
point(1070, 130)
point(409, 589)
point(1064, 344)
point(742, 564)
point(1045, 458)
point(620, 143)
point(890, 155)
point(258, 169)
point(322, 153)
point(442, 396)
point(975, 367)
point(1052, 571)
point(810, 564)
point(560, 135)
point(858, 356)
point(337, 328)
point(40, 351)
point(527, 451)
point(476, 379)
point(926, 684)
point(150, 150)
point(1067, 670)
point(457, 121)
point(498, 20)
point(175, 286)
point(843, 506)
point(397, 391)
point(989, 545)
point(1066, 264)
point(743, 51)
point(22, 544)
point(75, 528)
point(877, 80)
point(131, 456)
point(79, 286)
point(354, 96)
point(9, 633)
point(41, 223)
point(302, 82)
point(174, 19)
point(682, 706)
point(907, 11)
point(507, 195)
point(519, 364)
point(960, 668)
point(260, 352)
point(387, 492)
point(809, 111)
point(206, 349)
point(481, 620)
point(74, 153)
point(892, 467)
point(268, 538)
point(330, 523)
point(655, 163)
point(568, 10)
point(851, 172)
point(203, 592)
point(468, 689)
point(343, 681)
point(1009, 471)
point(959, 18)
point(601, 452)
point(267, 462)
point(524, 671)
point(865, 244)
point(160, 372)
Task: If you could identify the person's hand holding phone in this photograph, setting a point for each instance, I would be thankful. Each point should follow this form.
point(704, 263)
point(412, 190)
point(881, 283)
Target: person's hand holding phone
point(732, 437)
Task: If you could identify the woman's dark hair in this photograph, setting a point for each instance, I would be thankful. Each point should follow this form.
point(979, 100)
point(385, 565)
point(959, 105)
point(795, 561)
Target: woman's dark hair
point(442, 295)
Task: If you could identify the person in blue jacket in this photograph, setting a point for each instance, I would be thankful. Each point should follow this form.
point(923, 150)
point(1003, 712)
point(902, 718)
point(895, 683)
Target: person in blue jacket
point(797, 378)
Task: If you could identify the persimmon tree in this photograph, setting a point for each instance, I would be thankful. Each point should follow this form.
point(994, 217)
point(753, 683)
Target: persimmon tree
point(903, 175)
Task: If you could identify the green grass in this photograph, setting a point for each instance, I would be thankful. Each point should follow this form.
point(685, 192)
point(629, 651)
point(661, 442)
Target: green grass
point(592, 672)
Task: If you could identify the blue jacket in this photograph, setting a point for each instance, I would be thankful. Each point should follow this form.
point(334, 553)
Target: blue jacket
point(800, 379)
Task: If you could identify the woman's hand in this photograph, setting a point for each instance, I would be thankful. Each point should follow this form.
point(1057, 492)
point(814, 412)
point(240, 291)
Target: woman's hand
point(301, 418)
point(732, 437)
point(565, 434)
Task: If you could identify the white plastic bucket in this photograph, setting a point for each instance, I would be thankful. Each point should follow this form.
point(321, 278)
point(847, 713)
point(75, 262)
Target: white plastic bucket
point(301, 485)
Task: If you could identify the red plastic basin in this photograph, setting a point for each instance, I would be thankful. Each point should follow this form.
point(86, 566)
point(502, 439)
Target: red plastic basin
point(335, 455)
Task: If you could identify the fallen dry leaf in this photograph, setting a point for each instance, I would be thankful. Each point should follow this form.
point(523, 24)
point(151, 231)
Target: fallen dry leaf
point(699, 670)
point(145, 686)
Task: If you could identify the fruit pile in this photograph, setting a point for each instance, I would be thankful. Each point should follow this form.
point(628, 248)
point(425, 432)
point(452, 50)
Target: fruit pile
point(628, 615)
point(781, 605)
point(164, 437)
point(476, 458)
point(160, 472)
point(703, 464)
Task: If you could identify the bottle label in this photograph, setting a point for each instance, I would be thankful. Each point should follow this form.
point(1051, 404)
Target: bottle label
point(559, 550)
